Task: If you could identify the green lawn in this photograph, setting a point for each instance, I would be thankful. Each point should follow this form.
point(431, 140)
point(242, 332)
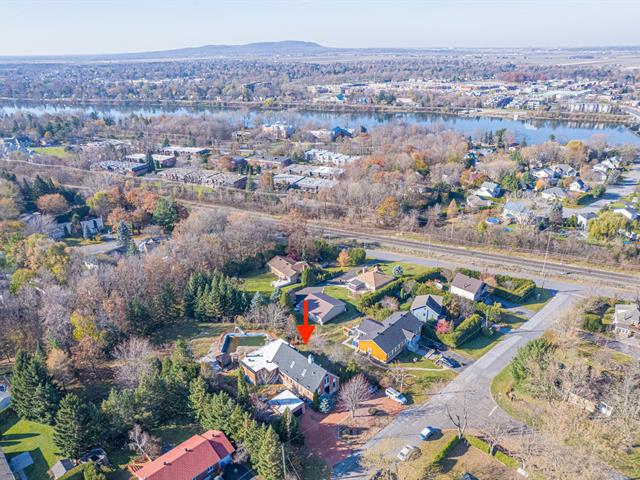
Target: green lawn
point(409, 269)
point(201, 335)
point(478, 346)
point(343, 294)
point(406, 359)
point(53, 151)
point(259, 281)
point(17, 436)
point(535, 303)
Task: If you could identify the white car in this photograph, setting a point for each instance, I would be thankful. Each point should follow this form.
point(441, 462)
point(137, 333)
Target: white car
point(427, 432)
point(393, 394)
point(408, 452)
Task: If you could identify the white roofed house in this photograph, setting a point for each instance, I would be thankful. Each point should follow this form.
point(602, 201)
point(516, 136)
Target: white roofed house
point(579, 186)
point(165, 161)
point(488, 189)
point(628, 212)
point(468, 287)
point(626, 319)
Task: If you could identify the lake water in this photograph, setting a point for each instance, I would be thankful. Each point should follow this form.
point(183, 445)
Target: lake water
point(531, 131)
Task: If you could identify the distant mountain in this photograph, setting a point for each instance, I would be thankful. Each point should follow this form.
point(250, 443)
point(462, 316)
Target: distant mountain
point(289, 47)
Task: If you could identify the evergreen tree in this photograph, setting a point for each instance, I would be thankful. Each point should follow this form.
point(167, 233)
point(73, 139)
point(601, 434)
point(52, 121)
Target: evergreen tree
point(315, 403)
point(166, 213)
point(165, 142)
point(167, 305)
point(75, 428)
point(287, 428)
point(123, 234)
point(269, 461)
point(198, 398)
point(35, 395)
point(151, 166)
point(242, 388)
point(121, 412)
point(275, 295)
point(138, 318)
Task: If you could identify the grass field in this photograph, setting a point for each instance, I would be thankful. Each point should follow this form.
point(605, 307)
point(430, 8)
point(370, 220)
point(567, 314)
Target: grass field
point(53, 151)
point(538, 300)
point(259, 281)
point(17, 436)
point(478, 346)
point(201, 335)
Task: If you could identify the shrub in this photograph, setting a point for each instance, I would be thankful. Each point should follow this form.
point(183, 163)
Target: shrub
point(534, 352)
point(431, 274)
point(470, 273)
point(467, 330)
point(442, 454)
point(592, 322)
point(484, 447)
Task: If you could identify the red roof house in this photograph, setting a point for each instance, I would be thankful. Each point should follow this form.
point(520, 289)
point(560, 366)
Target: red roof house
point(200, 457)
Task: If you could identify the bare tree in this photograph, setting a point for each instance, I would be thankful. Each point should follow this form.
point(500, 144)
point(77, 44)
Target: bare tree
point(495, 432)
point(353, 393)
point(398, 376)
point(460, 419)
point(60, 366)
point(132, 357)
point(143, 443)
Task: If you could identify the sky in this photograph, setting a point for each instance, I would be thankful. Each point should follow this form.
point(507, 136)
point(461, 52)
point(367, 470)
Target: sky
point(66, 27)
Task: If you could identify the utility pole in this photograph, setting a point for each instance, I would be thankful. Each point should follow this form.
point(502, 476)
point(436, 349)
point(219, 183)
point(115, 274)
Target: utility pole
point(544, 265)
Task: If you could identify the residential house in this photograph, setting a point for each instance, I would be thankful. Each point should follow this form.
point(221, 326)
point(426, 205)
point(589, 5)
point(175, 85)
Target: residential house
point(278, 130)
point(369, 281)
point(279, 362)
point(314, 185)
point(543, 173)
point(474, 201)
point(123, 168)
point(386, 340)
point(201, 457)
point(186, 152)
point(584, 218)
point(517, 212)
point(626, 319)
point(578, 186)
point(554, 193)
point(163, 161)
point(322, 307)
point(270, 162)
point(288, 271)
point(612, 163)
point(602, 167)
point(488, 189)
point(564, 170)
point(89, 228)
point(468, 287)
point(628, 212)
point(427, 307)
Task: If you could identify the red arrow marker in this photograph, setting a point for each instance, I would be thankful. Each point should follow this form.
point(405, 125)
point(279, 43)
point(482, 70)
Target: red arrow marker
point(306, 330)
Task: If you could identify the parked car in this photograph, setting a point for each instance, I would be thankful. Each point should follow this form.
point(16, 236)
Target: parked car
point(395, 395)
point(427, 432)
point(448, 362)
point(408, 452)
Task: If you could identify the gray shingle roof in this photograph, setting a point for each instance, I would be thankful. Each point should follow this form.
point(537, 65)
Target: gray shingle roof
point(397, 328)
point(298, 367)
point(434, 302)
point(468, 284)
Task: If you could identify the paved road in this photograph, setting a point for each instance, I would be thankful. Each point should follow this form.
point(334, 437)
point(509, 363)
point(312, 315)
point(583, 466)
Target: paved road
point(473, 386)
point(614, 193)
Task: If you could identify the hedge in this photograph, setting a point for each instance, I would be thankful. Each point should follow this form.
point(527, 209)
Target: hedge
point(76, 473)
point(524, 288)
point(485, 447)
point(470, 273)
point(446, 450)
point(371, 298)
point(430, 274)
point(468, 329)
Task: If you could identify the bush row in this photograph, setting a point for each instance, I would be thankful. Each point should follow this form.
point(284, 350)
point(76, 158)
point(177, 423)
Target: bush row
point(484, 447)
point(468, 329)
point(431, 274)
point(522, 288)
point(371, 298)
point(446, 450)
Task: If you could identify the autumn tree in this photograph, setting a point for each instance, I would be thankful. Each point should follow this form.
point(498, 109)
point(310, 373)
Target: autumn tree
point(388, 212)
point(53, 204)
point(343, 258)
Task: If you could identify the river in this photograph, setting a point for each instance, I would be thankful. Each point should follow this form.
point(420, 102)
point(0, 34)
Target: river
point(536, 131)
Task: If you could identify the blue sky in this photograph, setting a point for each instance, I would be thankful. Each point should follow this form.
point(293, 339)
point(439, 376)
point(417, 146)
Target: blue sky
point(32, 27)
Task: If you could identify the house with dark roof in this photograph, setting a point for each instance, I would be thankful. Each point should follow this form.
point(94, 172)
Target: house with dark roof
point(468, 287)
point(201, 457)
point(279, 362)
point(322, 307)
point(428, 307)
point(385, 340)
